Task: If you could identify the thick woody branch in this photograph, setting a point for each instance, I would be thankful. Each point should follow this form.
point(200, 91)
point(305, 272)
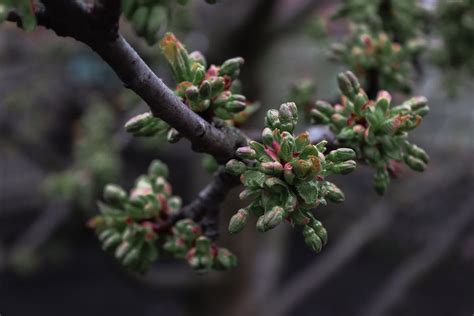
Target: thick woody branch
point(97, 27)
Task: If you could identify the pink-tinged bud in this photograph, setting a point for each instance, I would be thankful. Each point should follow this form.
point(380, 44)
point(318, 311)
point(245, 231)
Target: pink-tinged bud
point(246, 153)
point(177, 57)
point(359, 129)
point(271, 168)
point(384, 95)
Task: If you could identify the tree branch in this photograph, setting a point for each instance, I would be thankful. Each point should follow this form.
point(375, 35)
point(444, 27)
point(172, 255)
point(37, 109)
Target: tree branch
point(99, 30)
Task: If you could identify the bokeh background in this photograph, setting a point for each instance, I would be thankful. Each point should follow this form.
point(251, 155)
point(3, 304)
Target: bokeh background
point(408, 253)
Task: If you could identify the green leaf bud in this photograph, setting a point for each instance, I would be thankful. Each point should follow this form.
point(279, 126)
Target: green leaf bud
point(231, 67)
point(273, 168)
point(158, 169)
point(325, 108)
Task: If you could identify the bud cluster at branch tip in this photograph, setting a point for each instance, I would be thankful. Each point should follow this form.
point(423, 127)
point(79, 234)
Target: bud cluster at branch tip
point(129, 226)
point(212, 91)
point(285, 177)
point(377, 131)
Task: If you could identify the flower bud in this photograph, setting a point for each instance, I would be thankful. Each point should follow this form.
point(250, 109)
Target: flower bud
point(192, 93)
point(273, 218)
point(319, 230)
point(238, 221)
point(235, 167)
point(341, 154)
point(198, 57)
point(311, 239)
point(246, 152)
point(217, 85)
point(267, 136)
point(111, 241)
point(272, 120)
point(114, 194)
point(205, 90)
point(273, 168)
point(415, 163)
point(225, 260)
point(301, 141)
point(231, 67)
point(158, 169)
point(287, 147)
point(173, 136)
point(198, 73)
point(418, 152)
point(381, 181)
point(318, 117)
point(138, 122)
point(235, 106)
point(383, 100)
point(288, 174)
point(344, 84)
point(122, 249)
point(333, 193)
point(354, 81)
point(131, 257)
point(302, 168)
point(325, 108)
point(345, 167)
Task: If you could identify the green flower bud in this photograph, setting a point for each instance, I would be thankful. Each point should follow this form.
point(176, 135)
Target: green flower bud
point(267, 136)
point(173, 136)
point(217, 85)
point(122, 249)
point(246, 153)
point(345, 84)
point(235, 167)
point(131, 257)
point(273, 218)
point(205, 90)
point(235, 106)
point(199, 58)
point(231, 66)
point(341, 154)
point(414, 163)
point(301, 141)
point(418, 152)
point(198, 73)
point(114, 194)
point(238, 221)
point(311, 239)
point(318, 117)
point(158, 169)
point(225, 260)
point(138, 122)
point(288, 174)
point(272, 120)
point(333, 193)
point(192, 93)
point(319, 230)
point(111, 241)
point(381, 181)
point(354, 81)
point(287, 146)
point(345, 167)
point(383, 100)
point(273, 168)
point(325, 108)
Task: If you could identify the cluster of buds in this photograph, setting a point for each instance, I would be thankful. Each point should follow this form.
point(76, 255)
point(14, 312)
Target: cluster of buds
point(211, 91)
point(285, 177)
point(367, 53)
point(456, 26)
point(188, 242)
point(24, 8)
point(375, 130)
point(136, 226)
point(150, 17)
point(128, 222)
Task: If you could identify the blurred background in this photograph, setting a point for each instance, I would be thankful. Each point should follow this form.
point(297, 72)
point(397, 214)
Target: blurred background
point(61, 116)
